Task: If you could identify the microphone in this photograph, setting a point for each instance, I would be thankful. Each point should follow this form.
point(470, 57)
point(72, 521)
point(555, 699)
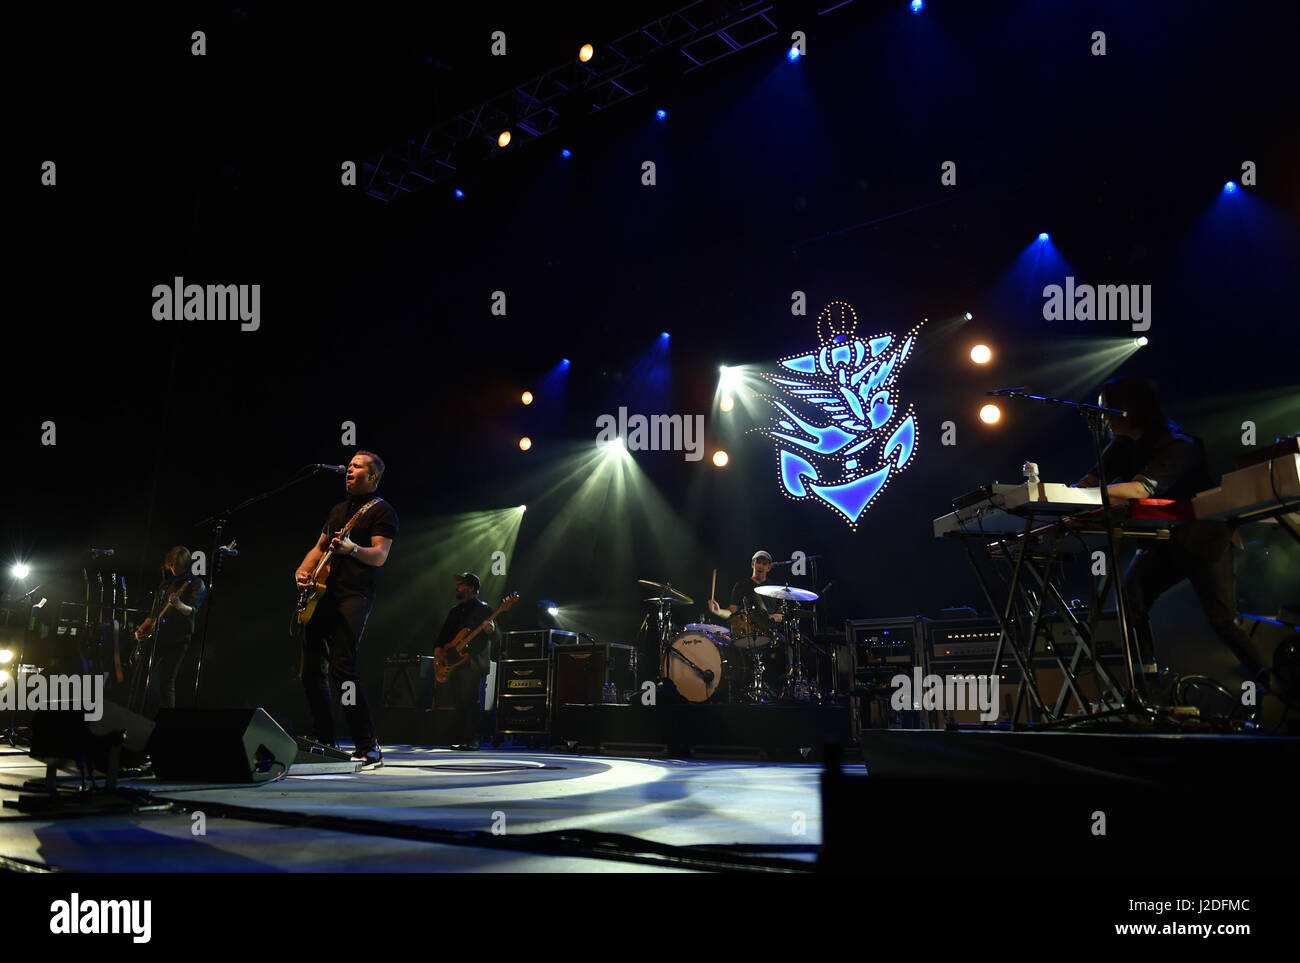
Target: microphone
point(29, 594)
point(97, 552)
point(229, 549)
point(337, 469)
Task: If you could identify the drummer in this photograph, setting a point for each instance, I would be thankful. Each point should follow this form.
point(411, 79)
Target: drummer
point(743, 596)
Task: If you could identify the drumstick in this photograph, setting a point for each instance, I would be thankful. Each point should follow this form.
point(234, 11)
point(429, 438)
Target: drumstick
point(713, 590)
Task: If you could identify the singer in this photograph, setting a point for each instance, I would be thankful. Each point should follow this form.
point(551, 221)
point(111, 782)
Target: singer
point(334, 633)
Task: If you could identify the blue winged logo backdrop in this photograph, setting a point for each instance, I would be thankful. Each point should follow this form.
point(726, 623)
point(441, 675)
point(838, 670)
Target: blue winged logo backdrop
point(838, 427)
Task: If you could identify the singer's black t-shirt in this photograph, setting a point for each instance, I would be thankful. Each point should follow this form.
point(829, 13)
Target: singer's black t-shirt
point(347, 575)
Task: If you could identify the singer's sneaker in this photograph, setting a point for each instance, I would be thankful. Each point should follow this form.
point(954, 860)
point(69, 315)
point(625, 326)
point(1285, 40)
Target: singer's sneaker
point(371, 758)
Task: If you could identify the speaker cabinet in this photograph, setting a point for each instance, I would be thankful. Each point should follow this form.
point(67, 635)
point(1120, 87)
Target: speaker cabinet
point(219, 745)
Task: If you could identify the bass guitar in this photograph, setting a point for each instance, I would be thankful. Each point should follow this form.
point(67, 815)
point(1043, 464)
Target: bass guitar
point(457, 652)
point(312, 593)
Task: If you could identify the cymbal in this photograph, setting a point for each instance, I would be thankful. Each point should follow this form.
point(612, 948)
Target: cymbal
point(669, 598)
point(785, 592)
point(667, 590)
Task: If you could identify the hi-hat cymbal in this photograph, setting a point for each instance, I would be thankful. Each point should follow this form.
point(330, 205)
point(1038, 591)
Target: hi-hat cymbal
point(785, 592)
point(667, 590)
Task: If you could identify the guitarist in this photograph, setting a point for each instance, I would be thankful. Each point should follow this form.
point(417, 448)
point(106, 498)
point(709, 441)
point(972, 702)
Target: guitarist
point(170, 625)
point(329, 652)
point(464, 689)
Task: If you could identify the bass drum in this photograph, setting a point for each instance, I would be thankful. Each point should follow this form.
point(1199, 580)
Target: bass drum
point(695, 665)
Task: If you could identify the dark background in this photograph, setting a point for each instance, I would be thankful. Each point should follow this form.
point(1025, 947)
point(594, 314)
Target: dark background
point(820, 176)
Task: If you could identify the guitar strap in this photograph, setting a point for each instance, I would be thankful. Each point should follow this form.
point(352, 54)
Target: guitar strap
point(360, 511)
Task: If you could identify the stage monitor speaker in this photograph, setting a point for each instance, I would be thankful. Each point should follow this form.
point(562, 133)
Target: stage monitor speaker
point(63, 737)
point(220, 745)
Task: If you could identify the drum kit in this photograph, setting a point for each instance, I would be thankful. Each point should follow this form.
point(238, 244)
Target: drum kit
point(759, 658)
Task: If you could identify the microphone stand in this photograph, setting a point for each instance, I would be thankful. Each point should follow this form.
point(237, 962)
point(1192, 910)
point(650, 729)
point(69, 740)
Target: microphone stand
point(220, 520)
point(1092, 414)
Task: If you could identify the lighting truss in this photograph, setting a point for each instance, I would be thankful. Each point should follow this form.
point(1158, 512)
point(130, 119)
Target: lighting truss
point(700, 33)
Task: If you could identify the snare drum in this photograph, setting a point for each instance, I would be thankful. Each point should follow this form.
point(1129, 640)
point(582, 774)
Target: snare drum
point(695, 663)
point(750, 630)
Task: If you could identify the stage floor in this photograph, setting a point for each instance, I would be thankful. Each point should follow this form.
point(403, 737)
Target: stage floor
point(430, 810)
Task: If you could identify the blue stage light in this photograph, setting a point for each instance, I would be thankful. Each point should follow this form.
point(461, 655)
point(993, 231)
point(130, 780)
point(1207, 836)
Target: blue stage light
point(665, 335)
point(1043, 236)
point(566, 152)
point(1230, 187)
point(792, 54)
point(917, 5)
point(459, 193)
point(565, 362)
point(661, 113)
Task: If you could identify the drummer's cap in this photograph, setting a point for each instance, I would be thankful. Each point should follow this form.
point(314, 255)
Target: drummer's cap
point(763, 555)
point(469, 578)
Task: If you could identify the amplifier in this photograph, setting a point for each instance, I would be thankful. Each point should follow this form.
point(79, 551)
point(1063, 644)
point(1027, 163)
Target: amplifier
point(408, 682)
point(881, 649)
point(963, 641)
point(536, 643)
point(529, 677)
point(529, 714)
point(595, 672)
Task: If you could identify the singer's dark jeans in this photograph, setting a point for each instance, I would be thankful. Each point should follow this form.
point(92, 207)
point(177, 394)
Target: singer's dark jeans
point(1201, 552)
point(329, 655)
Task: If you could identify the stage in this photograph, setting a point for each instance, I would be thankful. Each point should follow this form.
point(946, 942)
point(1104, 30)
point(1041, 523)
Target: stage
point(1030, 800)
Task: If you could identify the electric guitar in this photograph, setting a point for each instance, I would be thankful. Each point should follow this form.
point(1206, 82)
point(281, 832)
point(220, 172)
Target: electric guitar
point(312, 593)
point(150, 625)
point(458, 648)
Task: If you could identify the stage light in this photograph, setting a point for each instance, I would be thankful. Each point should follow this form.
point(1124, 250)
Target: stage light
point(503, 138)
point(917, 5)
point(1230, 187)
point(20, 570)
point(6, 656)
point(526, 397)
point(981, 354)
point(793, 54)
point(665, 335)
point(720, 458)
point(586, 52)
point(727, 403)
point(990, 414)
point(525, 443)
point(565, 152)
point(969, 315)
point(1141, 342)
point(552, 610)
point(1044, 236)
point(4, 677)
point(661, 113)
point(458, 192)
point(565, 362)
point(522, 509)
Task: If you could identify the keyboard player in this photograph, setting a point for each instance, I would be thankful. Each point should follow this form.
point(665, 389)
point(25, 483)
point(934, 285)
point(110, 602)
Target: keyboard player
point(1150, 457)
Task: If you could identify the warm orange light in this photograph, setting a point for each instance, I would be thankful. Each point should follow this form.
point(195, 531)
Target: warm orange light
point(720, 459)
point(728, 403)
point(586, 52)
point(527, 397)
point(503, 139)
point(990, 414)
point(981, 354)
point(525, 443)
